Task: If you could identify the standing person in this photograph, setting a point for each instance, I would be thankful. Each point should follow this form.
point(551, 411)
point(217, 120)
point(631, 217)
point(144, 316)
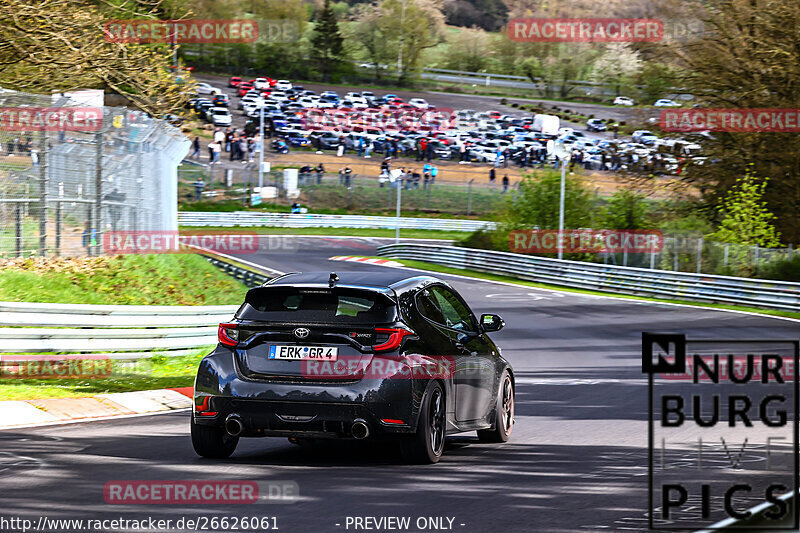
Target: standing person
point(320, 173)
point(434, 173)
point(368, 150)
point(361, 146)
point(242, 148)
point(341, 176)
point(506, 157)
point(232, 145)
point(429, 152)
point(341, 147)
point(347, 172)
point(195, 148)
point(386, 164)
point(211, 151)
point(498, 154)
point(219, 136)
point(492, 177)
point(229, 139)
point(415, 177)
point(505, 183)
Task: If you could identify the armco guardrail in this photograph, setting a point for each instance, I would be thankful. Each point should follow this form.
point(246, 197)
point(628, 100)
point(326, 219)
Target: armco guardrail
point(120, 331)
point(627, 280)
point(116, 331)
point(296, 220)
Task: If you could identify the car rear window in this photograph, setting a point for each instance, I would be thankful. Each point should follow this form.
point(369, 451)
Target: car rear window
point(337, 305)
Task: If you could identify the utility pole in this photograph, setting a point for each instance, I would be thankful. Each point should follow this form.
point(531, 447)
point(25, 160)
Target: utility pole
point(261, 152)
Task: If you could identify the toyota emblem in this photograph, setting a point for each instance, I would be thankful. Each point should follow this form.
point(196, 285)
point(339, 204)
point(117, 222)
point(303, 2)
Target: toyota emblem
point(301, 333)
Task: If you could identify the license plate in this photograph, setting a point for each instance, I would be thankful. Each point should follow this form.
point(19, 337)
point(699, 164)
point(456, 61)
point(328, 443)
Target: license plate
point(303, 353)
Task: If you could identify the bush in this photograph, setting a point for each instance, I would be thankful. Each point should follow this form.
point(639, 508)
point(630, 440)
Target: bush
point(486, 240)
point(503, 101)
point(781, 270)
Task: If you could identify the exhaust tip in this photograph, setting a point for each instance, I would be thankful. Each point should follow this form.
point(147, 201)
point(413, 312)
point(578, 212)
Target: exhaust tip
point(234, 425)
point(360, 429)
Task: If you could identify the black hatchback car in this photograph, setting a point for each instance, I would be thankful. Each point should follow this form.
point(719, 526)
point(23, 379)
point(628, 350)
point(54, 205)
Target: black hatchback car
point(358, 355)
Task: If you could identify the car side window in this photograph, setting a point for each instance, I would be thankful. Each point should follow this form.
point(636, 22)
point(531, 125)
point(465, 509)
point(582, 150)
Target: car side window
point(456, 314)
point(428, 307)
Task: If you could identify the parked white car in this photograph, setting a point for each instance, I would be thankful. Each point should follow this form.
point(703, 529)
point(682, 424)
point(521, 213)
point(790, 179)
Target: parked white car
point(283, 85)
point(419, 103)
point(666, 102)
point(206, 88)
point(261, 83)
point(623, 100)
point(220, 116)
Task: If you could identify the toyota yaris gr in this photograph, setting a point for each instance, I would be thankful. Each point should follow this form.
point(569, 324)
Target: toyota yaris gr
point(361, 355)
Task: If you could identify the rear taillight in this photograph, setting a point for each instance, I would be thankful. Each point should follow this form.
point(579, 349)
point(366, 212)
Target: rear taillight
point(396, 336)
point(228, 334)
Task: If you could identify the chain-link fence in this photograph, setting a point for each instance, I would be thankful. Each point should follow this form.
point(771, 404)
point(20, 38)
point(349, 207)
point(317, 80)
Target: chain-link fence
point(70, 173)
point(698, 255)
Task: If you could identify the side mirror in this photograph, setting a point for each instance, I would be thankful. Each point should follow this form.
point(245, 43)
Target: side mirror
point(492, 323)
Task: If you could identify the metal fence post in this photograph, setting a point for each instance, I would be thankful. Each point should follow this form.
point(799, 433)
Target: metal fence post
point(43, 194)
point(675, 253)
point(469, 197)
point(652, 260)
point(58, 227)
point(725, 256)
point(98, 193)
point(755, 258)
point(699, 254)
point(18, 207)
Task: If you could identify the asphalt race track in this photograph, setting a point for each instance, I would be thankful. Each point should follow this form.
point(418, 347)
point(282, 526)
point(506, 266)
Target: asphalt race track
point(577, 460)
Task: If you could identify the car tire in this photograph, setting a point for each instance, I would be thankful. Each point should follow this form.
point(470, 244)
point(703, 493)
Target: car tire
point(504, 413)
point(426, 445)
point(212, 442)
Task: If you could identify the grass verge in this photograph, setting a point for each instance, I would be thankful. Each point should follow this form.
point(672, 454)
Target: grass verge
point(157, 372)
point(422, 265)
point(158, 279)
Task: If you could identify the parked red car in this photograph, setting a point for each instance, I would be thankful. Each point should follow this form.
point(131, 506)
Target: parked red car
point(234, 81)
point(244, 87)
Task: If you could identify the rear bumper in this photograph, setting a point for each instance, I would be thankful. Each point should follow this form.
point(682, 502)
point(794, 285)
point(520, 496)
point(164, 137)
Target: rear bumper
point(298, 419)
point(298, 408)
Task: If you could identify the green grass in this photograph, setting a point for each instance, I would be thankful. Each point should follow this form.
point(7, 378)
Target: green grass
point(341, 232)
point(157, 372)
point(445, 200)
point(159, 279)
point(422, 265)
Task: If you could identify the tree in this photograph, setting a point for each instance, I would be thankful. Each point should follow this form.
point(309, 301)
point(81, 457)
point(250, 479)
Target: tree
point(466, 50)
point(617, 66)
point(746, 218)
point(410, 26)
point(537, 204)
point(626, 210)
point(59, 45)
point(749, 57)
point(326, 42)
